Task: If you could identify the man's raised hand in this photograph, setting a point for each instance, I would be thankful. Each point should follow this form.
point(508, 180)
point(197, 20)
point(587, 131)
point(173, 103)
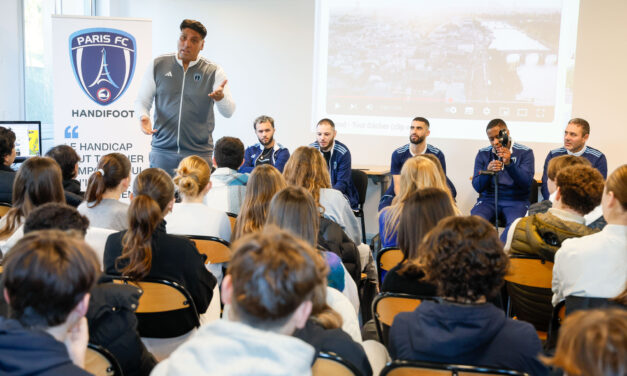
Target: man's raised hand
point(218, 94)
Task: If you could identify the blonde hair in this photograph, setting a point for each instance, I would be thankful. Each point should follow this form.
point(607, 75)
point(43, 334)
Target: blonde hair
point(592, 343)
point(192, 176)
point(307, 168)
point(417, 173)
point(263, 183)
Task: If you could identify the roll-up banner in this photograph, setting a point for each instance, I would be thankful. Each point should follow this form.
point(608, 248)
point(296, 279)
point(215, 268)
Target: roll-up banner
point(98, 64)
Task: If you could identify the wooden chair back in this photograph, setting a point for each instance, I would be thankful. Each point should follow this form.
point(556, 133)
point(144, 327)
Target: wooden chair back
point(100, 362)
point(160, 295)
point(387, 258)
point(387, 305)
point(414, 368)
point(233, 220)
point(4, 208)
point(216, 249)
point(332, 364)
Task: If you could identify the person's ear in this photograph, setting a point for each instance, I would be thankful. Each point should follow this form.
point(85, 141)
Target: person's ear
point(558, 194)
point(226, 291)
point(207, 189)
point(202, 44)
point(79, 311)
point(213, 159)
point(585, 138)
point(6, 296)
point(301, 315)
point(241, 164)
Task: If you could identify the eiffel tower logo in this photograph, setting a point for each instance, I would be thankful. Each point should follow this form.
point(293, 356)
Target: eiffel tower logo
point(103, 73)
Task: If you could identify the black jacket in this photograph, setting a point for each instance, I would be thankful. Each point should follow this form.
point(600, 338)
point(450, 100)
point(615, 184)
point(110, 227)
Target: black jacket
point(7, 175)
point(174, 258)
point(26, 351)
point(331, 237)
point(336, 341)
point(113, 325)
point(408, 283)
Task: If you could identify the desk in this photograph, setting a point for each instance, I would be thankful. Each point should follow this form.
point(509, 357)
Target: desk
point(377, 173)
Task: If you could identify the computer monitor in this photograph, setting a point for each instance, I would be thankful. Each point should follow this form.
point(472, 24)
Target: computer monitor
point(27, 138)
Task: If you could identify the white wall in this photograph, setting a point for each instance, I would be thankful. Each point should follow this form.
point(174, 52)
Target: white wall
point(11, 91)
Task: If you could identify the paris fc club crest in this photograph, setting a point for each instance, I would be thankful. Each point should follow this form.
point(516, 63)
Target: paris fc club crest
point(104, 62)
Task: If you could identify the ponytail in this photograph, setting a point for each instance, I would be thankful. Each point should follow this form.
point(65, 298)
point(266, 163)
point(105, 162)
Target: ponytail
point(192, 176)
point(144, 215)
point(112, 169)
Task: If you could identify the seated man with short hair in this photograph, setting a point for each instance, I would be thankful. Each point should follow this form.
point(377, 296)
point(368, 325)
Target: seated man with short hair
point(269, 286)
point(267, 150)
point(579, 190)
point(228, 187)
point(47, 280)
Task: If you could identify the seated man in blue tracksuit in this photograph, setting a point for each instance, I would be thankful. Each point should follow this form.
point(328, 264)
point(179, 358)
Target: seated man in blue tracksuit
point(267, 150)
point(338, 159)
point(418, 133)
point(514, 166)
point(575, 137)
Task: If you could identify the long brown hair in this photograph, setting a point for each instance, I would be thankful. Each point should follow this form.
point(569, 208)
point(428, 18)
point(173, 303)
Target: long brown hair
point(112, 169)
point(263, 183)
point(422, 212)
point(153, 190)
point(38, 181)
point(617, 184)
point(192, 176)
point(306, 168)
point(417, 173)
point(294, 209)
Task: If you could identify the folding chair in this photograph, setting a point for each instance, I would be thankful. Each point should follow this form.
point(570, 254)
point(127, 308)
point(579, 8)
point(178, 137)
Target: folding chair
point(216, 249)
point(100, 362)
point(4, 208)
point(528, 285)
point(232, 219)
point(387, 258)
point(161, 295)
point(360, 180)
point(415, 368)
point(333, 364)
point(387, 305)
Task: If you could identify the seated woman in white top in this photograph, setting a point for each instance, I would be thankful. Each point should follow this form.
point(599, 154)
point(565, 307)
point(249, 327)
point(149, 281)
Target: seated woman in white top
point(191, 216)
point(104, 189)
point(38, 181)
point(596, 265)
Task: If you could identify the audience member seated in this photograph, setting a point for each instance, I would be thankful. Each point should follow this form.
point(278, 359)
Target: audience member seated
point(104, 188)
point(267, 150)
point(464, 257)
point(47, 280)
point(111, 314)
point(37, 182)
point(146, 250)
point(265, 181)
point(554, 167)
point(68, 159)
point(513, 164)
point(596, 265)
point(421, 212)
point(269, 286)
point(306, 168)
point(579, 190)
point(417, 173)
point(338, 160)
point(592, 343)
point(294, 209)
point(7, 156)
point(228, 187)
point(419, 130)
point(324, 331)
point(575, 136)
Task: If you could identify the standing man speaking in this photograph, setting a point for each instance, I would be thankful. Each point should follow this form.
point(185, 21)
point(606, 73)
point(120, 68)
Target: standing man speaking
point(184, 88)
